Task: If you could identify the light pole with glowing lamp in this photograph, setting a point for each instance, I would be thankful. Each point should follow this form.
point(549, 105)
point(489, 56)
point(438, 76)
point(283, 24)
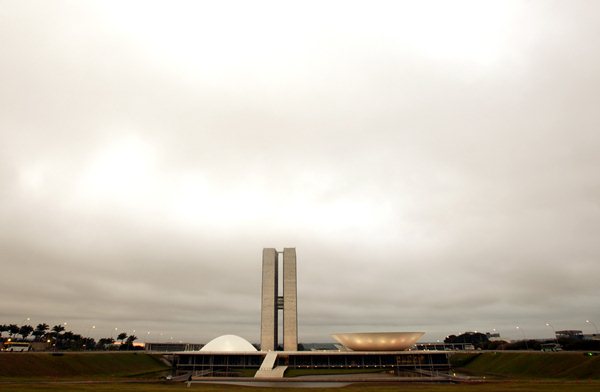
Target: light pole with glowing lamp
point(524, 338)
point(553, 330)
point(594, 324)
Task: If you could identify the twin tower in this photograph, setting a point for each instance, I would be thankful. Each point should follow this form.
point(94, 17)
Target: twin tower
point(272, 302)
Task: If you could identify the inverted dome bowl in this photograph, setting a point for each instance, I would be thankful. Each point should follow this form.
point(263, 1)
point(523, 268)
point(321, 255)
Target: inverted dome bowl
point(378, 341)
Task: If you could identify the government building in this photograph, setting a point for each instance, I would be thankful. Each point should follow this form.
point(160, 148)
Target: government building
point(234, 356)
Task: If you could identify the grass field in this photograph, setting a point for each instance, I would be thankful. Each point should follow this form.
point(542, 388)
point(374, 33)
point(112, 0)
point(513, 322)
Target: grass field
point(80, 366)
point(530, 365)
point(520, 386)
point(503, 372)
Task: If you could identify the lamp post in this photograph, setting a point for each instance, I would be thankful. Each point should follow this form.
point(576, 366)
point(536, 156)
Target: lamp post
point(524, 338)
point(553, 330)
point(594, 324)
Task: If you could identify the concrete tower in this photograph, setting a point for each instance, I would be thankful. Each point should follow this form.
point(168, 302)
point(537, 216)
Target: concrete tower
point(272, 302)
point(268, 312)
point(290, 301)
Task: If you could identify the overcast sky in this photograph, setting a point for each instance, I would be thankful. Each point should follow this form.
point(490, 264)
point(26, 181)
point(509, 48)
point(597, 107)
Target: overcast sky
point(435, 164)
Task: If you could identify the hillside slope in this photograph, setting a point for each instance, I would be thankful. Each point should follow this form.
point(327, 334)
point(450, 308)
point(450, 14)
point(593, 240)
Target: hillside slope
point(80, 365)
point(532, 365)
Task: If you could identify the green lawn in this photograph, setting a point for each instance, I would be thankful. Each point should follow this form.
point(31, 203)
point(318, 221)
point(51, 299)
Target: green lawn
point(504, 372)
point(530, 365)
point(80, 366)
point(520, 386)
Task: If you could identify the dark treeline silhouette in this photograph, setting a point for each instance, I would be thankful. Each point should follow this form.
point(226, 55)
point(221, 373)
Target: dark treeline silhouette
point(58, 338)
point(481, 341)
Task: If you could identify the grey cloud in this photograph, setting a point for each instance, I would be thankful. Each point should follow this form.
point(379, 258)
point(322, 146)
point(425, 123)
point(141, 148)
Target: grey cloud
point(421, 192)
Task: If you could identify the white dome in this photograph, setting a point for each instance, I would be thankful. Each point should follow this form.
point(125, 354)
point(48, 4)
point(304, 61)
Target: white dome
point(228, 343)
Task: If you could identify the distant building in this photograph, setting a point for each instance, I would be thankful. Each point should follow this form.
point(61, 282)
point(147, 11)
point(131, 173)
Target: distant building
point(569, 334)
point(443, 347)
point(171, 347)
point(592, 336)
point(493, 336)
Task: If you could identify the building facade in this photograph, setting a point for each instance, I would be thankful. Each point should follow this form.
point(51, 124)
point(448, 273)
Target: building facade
point(272, 302)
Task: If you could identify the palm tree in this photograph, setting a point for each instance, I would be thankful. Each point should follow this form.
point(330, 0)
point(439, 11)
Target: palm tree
point(3, 328)
point(58, 329)
point(131, 339)
point(103, 343)
point(129, 343)
point(69, 335)
point(40, 331)
point(88, 343)
point(13, 329)
point(122, 336)
point(25, 331)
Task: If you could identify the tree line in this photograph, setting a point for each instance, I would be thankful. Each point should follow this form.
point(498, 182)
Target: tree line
point(481, 341)
point(59, 338)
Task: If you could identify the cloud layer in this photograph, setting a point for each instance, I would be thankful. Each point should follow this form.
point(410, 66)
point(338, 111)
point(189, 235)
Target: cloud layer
point(435, 165)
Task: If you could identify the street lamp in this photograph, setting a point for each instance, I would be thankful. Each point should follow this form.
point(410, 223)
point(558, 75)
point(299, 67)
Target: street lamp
point(553, 330)
point(524, 338)
point(594, 324)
